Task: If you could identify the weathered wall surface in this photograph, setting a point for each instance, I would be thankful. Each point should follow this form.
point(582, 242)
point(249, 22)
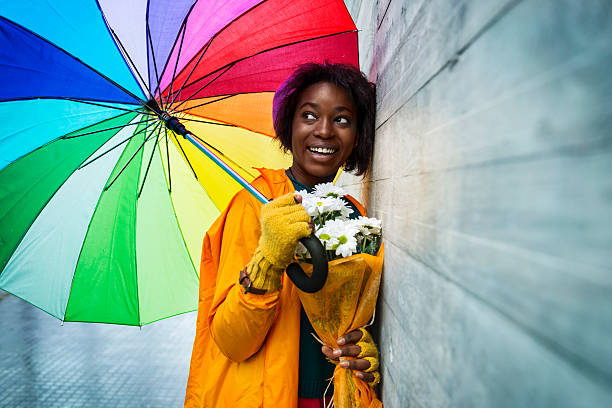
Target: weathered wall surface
point(493, 177)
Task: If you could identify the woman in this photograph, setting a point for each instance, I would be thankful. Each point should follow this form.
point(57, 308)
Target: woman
point(253, 346)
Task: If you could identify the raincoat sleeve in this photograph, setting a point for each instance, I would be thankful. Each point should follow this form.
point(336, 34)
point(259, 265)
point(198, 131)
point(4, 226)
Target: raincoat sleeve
point(239, 322)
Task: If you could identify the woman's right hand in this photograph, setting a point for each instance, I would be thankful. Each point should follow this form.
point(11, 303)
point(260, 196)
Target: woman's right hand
point(283, 222)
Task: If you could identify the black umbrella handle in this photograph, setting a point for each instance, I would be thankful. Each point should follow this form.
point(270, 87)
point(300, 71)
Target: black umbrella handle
point(319, 267)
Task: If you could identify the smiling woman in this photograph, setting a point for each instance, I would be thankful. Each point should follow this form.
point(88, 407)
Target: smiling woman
point(253, 346)
point(324, 133)
point(349, 99)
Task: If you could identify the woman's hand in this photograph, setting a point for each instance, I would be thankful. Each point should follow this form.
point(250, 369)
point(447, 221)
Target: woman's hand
point(283, 222)
point(357, 344)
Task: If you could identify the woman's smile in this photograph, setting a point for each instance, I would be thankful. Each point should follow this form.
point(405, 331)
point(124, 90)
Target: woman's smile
point(323, 150)
point(324, 132)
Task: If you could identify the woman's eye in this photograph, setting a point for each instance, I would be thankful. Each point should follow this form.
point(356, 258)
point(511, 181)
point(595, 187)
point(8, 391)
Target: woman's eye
point(342, 120)
point(309, 116)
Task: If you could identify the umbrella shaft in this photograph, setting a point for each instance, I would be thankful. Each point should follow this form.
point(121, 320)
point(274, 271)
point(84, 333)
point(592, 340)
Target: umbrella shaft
point(225, 167)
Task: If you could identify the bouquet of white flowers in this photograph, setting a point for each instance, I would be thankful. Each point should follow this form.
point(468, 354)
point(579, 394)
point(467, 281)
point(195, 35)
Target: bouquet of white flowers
point(348, 299)
point(341, 236)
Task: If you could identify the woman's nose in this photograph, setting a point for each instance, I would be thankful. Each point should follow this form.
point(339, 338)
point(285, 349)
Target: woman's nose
point(324, 128)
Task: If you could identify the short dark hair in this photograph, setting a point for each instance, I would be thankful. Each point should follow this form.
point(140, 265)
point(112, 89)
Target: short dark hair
point(361, 91)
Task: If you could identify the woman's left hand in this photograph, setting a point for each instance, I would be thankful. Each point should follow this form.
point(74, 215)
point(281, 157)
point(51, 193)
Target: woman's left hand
point(360, 345)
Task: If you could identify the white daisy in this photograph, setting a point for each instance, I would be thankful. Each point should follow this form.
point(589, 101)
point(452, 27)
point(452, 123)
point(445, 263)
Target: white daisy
point(328, 190)
point(347, 246)
point(367, 225)
point(339, 235)
point(309, 201)
point(327, 207)
point(345, 210)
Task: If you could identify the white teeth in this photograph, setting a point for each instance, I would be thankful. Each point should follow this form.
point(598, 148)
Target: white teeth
point(324, 150)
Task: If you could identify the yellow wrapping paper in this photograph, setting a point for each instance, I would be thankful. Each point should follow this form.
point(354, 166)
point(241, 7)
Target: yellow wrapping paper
point(346, 303)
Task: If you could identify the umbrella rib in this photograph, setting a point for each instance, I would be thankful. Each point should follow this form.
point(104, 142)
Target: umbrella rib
point(123, 50)
point(104, 130)
point(223, 154)
point(205, 103)
point(184, 155)
point(149, 164)
point(107, 106)
point(168, 161)
point(192, 70)
point(184, 29)
point(153, 56)
point(147, 138)
point(220, 123)
point(209, 122)
point(213, 80)
point(114, 147)
point(34, 97)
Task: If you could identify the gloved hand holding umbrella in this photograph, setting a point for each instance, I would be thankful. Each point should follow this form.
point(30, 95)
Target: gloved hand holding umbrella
point(283, 222)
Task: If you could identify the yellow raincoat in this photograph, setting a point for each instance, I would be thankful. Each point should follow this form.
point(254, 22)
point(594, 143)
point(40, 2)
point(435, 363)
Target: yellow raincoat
point(246, 348)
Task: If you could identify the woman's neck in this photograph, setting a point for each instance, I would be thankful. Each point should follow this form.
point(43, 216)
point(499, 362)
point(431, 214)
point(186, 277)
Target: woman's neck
point(306, 179)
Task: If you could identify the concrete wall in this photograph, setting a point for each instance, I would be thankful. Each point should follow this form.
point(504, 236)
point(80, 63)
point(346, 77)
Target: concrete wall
point(493, 177)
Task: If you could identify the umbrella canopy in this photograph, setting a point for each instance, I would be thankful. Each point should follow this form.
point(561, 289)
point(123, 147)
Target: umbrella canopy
point(102, 208)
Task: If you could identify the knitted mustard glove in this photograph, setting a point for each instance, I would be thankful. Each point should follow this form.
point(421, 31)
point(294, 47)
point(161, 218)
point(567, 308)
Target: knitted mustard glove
point(369, 352)
point(283, 223)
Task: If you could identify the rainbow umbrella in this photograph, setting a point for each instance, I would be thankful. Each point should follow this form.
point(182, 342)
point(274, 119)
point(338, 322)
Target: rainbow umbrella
point(102, 207)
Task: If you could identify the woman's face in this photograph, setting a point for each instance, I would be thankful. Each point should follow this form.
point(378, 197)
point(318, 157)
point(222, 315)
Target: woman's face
point(323, 133)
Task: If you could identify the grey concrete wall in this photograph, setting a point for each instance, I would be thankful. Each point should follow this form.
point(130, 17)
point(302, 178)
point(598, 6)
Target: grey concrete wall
point(493, 177)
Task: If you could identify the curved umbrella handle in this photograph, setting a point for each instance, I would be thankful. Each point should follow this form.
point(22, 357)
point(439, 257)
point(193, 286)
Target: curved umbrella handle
point(319, 267)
